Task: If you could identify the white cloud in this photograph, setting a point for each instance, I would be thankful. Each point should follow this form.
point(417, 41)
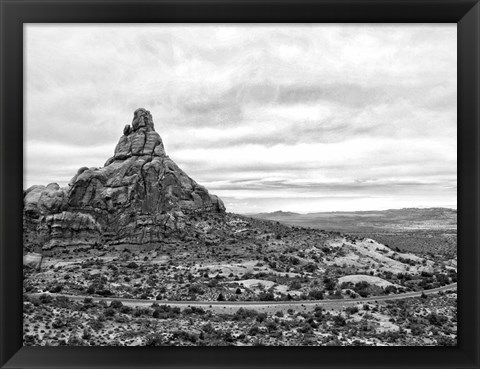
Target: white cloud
point(359, 116)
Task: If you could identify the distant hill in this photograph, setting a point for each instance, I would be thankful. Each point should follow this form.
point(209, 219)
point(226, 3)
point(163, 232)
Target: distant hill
point(275, 214)
point(398, 220)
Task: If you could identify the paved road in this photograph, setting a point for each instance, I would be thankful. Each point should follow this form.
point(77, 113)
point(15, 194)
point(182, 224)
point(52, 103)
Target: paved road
point(262, 305)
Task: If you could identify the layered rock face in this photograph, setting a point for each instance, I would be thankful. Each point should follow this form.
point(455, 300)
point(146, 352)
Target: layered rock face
point(140, 196)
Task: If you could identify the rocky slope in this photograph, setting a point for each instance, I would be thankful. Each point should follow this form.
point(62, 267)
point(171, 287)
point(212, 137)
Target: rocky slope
point(140, 196)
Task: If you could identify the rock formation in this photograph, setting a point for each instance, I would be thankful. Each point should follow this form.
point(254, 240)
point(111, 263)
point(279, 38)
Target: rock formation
point(140, 196)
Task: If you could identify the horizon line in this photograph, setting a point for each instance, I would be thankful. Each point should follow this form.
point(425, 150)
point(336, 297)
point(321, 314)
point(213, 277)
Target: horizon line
point(351, 211)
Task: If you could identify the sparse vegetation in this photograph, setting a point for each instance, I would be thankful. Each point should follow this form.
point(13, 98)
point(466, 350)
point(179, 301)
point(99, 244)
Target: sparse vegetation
point(251, 260)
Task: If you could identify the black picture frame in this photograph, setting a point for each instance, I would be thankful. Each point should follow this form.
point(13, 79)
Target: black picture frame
point(14, 13)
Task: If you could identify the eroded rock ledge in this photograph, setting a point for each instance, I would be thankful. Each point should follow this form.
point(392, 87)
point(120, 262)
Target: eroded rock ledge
point(140, 196)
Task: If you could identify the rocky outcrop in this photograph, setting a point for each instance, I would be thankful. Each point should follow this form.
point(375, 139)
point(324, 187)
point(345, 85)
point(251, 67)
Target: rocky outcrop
point(140, 196)
point(41, 200)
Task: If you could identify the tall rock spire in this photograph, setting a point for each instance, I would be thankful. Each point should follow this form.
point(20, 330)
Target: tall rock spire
point(140, 196)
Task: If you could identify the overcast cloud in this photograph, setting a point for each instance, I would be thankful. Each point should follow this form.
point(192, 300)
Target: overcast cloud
point(294, 117)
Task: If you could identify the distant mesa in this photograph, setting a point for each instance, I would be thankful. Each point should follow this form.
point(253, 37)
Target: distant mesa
point(140, 196)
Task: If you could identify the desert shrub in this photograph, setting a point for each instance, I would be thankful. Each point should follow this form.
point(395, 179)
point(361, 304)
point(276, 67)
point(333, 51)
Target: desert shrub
point(295, 285)
point(318, 313)
point(195, 289)
point(116, 304)
point(87, 300)
point(392, 336)
point(126, 309)
point(312, 322)
point(351, 309)
point(109, 311)
point(336, 295)
point(62, 301)
point(132, 265)
point(28, 308)
point(104, 292)
point(86, 334)
point(362, 288)
point(329, 283)
point(442, 279)
point(75, 341)
point(254, 330)
point(45, 299)
point(57, 323)
point(390, 289)
point(194, 311)
point(186, 336)
point(315, 295)
point(242, 314)
point(96, 325)
point(208, 328)
point(294, 261)
point(339, 321)
point(212, 283)
point(363, 293)
point(266, 296)
point(91, 290)
point(305, 328)
point(436, 319)
point(271, 325)
point(56, 289)
point(154, 339)
point(446, 341)
point(166, 312)
point(417, 329)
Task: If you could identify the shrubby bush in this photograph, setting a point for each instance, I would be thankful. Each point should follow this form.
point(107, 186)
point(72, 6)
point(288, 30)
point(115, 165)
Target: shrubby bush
point(116, 304)
point(352, 310)
point(194, 311)
point(315, 295)
point(154, 339)
point(186, 336)
point(339, 321)
point(109, 311)
point(57, 323)
point(437, 319)
point(45, 299)
point(166, 312)
point(266, 296)
point(56, 289)
point(243, 314)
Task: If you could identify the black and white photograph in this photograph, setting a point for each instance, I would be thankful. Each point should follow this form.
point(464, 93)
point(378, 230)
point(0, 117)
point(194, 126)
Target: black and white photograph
point(240, 184)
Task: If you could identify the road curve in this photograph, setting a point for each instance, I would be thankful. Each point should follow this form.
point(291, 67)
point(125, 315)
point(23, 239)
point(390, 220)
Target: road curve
point(266, 305)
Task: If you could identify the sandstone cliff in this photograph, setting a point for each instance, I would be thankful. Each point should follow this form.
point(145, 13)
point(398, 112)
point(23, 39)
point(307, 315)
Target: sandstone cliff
point(140, 196)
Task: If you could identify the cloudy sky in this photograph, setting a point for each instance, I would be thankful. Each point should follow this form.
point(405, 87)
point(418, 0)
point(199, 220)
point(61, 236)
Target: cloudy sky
point(300, 118)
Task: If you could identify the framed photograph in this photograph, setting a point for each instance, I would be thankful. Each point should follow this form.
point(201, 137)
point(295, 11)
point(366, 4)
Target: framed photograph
point(240, 184)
